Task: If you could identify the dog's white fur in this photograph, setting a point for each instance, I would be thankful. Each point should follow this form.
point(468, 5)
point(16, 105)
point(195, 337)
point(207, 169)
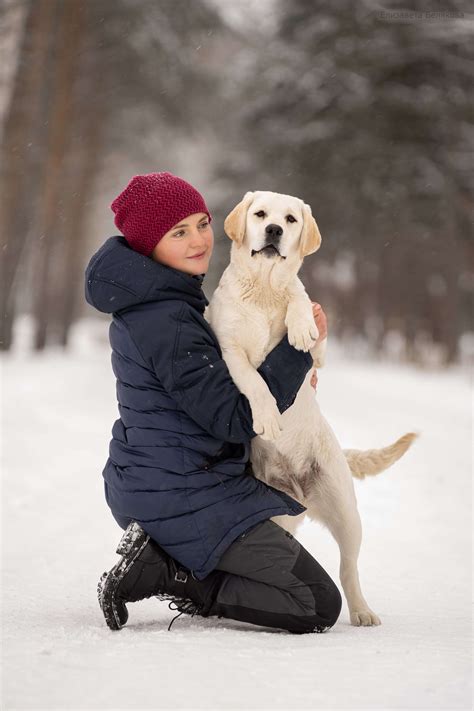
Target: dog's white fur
point(259, 298)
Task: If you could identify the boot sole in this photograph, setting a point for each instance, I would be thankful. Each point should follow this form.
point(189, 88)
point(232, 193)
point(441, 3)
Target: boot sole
point(130, 546)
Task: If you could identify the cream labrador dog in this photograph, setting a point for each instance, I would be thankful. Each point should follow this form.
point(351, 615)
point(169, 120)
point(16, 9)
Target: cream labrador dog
point(260, 298)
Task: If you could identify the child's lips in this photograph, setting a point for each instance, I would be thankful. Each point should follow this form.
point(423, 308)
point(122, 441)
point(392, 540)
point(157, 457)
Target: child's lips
point(198, 256)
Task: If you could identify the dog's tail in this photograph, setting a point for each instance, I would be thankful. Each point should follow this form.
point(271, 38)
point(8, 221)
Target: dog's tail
point(370, 462)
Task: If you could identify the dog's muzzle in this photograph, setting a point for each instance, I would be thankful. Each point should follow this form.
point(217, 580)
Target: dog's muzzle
point(269, 251)
point(272, 242)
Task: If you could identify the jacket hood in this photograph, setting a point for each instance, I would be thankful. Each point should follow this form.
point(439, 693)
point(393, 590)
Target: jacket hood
point(118, 277)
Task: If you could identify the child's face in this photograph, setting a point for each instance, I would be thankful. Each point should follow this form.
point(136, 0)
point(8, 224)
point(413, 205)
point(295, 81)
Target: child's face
point(190, 236)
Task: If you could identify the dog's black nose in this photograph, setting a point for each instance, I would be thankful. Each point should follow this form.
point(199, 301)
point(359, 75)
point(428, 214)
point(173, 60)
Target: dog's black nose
point(274, 230)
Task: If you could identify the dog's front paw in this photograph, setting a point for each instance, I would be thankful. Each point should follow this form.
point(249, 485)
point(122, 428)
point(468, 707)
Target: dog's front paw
point(364, 618)
point(302, 334)
point(266, 419)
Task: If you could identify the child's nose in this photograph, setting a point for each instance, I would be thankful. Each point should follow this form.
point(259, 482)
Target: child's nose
point(198, 238)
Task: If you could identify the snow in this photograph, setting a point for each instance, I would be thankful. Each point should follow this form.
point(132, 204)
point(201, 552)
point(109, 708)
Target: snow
point(59, 537)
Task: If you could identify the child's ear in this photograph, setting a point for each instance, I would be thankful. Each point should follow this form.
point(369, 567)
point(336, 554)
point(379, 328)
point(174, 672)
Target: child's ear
point(234, 223)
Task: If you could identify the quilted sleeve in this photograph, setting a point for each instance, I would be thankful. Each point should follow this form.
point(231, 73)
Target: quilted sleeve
point(191, 369)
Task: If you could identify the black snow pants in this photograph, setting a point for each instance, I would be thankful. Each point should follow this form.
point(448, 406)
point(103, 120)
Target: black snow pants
point(267, 578)
point(272, 580)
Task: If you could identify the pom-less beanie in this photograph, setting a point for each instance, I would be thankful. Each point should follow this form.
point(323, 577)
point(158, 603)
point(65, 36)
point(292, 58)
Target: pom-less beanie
point(151, 205)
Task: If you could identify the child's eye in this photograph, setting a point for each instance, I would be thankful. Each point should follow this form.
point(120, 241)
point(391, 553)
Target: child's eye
point(180, 233)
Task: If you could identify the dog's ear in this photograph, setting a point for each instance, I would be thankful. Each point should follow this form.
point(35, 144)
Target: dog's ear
point(310, 239)
point(234, 223)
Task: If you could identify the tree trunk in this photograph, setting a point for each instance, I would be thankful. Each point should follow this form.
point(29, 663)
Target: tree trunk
point(49, 263)
point(22, 155)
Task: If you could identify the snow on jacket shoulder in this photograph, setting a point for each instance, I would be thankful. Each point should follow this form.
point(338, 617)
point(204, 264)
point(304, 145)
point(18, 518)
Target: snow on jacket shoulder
point(179, 450)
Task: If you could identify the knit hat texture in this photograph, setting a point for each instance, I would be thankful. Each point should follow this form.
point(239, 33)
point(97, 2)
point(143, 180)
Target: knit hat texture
point(151, 205)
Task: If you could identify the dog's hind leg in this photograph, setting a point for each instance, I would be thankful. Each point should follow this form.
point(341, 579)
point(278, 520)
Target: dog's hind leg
point(289, 523)
point(338, 511)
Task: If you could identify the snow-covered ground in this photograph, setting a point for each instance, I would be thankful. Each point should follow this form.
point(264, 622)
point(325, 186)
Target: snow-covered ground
point(59, 536)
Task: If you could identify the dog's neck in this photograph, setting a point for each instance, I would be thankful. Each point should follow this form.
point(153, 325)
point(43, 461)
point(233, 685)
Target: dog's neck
point(266, 287)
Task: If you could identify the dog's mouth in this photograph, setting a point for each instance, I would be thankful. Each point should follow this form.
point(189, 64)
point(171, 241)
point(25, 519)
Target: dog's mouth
point(269, 251)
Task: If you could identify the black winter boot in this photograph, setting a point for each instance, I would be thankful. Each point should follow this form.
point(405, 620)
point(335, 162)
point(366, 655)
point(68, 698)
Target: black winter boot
point(146, 570)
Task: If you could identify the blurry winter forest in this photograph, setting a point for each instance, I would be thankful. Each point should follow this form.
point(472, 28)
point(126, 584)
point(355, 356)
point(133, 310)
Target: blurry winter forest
point(363, 112)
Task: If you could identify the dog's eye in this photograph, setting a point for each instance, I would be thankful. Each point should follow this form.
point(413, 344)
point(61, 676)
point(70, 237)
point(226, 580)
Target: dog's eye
point(260, 213)
point(290, 218)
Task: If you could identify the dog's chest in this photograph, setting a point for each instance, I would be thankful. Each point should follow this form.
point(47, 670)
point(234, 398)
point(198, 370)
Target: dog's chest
point(276, 329)
point(261, 333)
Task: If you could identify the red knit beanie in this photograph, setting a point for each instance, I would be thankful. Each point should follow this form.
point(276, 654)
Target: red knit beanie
point(151, 205)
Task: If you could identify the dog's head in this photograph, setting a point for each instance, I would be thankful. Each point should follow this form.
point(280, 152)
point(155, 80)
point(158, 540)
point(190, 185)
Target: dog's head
point(274, 227)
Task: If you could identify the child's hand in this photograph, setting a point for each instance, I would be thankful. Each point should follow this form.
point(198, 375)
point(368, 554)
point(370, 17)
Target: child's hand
point(320, 320)
point(322, 324)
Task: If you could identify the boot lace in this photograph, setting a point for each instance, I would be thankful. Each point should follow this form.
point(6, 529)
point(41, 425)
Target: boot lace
point(183, 604)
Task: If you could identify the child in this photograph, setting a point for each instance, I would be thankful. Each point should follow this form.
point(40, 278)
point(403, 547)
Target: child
point(178, 478)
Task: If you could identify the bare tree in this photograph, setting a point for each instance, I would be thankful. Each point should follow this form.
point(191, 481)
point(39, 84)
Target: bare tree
point(23, 153)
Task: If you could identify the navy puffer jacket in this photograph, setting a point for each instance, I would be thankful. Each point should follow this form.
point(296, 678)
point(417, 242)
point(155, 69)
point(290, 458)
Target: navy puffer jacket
point(178, 459)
